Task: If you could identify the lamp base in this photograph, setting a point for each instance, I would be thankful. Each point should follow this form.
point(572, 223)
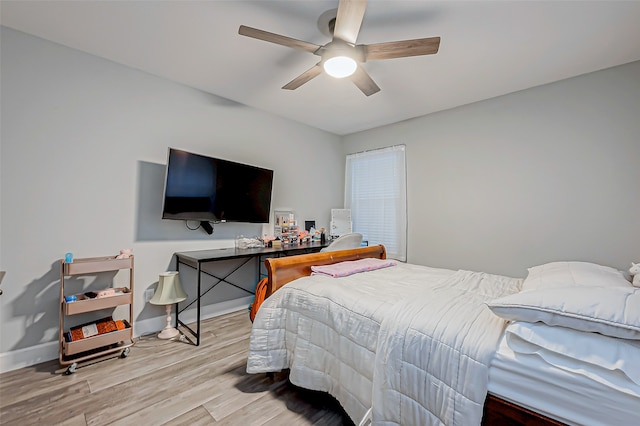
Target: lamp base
point(168, 333)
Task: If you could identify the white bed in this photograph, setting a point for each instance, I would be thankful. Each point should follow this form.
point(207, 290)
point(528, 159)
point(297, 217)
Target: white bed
point(325, 330)
point(418, 346)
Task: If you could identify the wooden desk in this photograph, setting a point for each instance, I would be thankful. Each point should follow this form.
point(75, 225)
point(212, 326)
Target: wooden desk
point(195, 259)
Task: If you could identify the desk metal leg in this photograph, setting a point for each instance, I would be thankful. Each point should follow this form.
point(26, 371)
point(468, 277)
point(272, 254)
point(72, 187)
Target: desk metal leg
point(198, 304)
point(196, 333)
point(177, 304)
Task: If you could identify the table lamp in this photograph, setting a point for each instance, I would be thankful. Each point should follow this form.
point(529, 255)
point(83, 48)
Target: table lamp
point(169, 292)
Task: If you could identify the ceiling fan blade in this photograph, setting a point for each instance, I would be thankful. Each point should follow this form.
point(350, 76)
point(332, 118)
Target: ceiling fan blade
point(364, 82)
point(349, 20)
point(304, 77)
point(402, 49)
point(277, 39)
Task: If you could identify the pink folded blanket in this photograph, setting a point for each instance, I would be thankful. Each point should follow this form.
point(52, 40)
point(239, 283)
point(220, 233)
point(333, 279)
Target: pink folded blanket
point(351, 267)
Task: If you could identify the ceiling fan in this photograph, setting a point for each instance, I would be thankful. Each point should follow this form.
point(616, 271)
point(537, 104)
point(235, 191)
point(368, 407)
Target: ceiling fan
point(342, 57)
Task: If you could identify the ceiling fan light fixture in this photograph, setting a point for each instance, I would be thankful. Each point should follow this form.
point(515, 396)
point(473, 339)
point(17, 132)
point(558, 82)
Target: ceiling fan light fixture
point(340, 66)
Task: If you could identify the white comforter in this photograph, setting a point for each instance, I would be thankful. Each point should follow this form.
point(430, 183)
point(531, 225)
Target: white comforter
point(414, 340)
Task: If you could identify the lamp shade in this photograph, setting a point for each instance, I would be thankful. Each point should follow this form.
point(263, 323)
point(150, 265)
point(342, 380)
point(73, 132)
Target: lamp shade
point(169, 290)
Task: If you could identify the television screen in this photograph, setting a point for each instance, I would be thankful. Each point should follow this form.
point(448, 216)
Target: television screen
point(204, 188)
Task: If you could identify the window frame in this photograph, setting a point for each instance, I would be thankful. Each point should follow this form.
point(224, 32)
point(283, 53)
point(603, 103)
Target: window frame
point(382, 181)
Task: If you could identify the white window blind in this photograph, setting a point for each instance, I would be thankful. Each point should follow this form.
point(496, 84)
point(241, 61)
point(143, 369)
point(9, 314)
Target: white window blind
point(376, 193)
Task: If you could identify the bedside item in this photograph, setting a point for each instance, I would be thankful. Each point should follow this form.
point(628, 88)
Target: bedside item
point(169, 292)
point(68, 258)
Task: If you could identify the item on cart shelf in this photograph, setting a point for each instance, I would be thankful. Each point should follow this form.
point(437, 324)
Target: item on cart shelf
point(125, 254)
point(105, 325)
point(106, 292)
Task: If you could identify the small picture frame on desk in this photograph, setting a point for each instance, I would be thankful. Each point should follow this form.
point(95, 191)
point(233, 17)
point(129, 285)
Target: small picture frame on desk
point(309, 224)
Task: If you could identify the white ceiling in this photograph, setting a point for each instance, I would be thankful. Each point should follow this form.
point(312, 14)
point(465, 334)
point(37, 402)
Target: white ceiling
point(488, 48)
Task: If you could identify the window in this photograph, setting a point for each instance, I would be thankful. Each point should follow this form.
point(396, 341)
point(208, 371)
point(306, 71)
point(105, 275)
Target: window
point(376, 192)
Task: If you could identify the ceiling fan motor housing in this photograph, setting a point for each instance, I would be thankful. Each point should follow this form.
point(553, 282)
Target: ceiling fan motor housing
point(341, 48)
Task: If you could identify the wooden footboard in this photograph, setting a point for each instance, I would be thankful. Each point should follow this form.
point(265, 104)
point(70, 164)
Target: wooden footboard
point(282, 270)
point(497, 412)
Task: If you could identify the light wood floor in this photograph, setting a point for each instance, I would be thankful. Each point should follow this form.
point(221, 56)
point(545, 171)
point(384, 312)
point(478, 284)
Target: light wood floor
point(166, 383)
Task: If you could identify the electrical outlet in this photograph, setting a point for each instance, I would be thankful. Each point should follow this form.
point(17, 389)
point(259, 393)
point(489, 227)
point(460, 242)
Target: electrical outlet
point(148, 294)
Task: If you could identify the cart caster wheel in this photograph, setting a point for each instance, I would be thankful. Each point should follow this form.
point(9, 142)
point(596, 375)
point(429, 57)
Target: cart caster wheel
point(71, 369)
point(125, 353)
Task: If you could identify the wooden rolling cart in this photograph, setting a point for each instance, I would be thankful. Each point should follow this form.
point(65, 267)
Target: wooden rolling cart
point(74, 352)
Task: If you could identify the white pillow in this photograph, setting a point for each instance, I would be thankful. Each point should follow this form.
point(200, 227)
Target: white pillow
point(612, 311)
point(569, 274)
point(599, 357)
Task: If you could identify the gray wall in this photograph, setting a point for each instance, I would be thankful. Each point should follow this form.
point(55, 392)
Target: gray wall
point(84, 143)
point(549, 173)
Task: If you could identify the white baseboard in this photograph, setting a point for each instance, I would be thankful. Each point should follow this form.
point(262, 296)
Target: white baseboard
point(28, 356)
point(154, 325)
point(47, 351)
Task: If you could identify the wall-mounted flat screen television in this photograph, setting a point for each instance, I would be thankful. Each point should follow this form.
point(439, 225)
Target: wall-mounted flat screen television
point(207, 189)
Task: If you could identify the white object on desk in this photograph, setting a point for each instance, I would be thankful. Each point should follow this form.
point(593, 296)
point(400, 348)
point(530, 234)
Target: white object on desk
point(340, 222)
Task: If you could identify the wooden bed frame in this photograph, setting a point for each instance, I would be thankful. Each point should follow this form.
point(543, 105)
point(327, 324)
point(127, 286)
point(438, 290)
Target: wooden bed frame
point(497, 412)
point(282, 270)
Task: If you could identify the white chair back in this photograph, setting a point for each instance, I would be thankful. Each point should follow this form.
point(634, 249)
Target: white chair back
point(345, 242)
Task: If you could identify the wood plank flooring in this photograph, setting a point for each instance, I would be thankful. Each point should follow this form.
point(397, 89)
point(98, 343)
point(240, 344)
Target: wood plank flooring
point(166, 383)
